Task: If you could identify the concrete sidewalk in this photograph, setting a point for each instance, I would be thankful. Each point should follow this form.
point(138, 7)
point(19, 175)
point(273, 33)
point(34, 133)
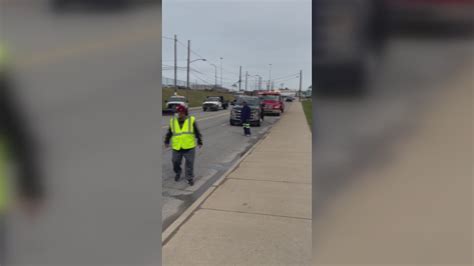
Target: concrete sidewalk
point(261, 213)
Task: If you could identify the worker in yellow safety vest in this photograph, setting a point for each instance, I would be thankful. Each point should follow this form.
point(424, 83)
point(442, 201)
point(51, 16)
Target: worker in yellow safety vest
point(15, 145)
point(182, 135)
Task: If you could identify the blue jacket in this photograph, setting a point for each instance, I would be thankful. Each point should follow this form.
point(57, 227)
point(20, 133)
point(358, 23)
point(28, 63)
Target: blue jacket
point(245, 113)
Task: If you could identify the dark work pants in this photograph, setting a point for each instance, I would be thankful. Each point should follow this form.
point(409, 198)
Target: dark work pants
point(246, 126)
point(177, 159)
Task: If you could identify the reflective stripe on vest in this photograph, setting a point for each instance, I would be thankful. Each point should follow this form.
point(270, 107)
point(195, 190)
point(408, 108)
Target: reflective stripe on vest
point(3, 176)
point(183, 137)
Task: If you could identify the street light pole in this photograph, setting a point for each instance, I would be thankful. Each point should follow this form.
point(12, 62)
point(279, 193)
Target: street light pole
point(175, 63)
point(215, 67)
point(269, 77)
point(246, 79)
point(301, 83)
point(240, 78)
point(189, 63)
point(259, 82)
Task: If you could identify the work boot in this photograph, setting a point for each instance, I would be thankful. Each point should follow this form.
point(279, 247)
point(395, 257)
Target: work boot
point(176, 178)
point(190, 182)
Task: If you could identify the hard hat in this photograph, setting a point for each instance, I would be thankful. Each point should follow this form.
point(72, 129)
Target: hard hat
point(181, 108)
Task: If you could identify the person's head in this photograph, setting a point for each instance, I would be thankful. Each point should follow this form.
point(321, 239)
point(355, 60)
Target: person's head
point(181, 110)
point(244, 103)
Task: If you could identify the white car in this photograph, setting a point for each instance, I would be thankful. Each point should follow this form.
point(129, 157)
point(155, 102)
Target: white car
point(173, 101)
point(212, 103)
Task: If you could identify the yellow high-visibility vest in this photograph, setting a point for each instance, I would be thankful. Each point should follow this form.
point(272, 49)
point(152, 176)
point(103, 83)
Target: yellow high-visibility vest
point(183, 137)
point(3, 57)
point(3, 147)
point(4, 187)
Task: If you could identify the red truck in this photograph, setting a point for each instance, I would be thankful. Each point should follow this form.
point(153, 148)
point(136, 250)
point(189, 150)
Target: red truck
point(272, 103)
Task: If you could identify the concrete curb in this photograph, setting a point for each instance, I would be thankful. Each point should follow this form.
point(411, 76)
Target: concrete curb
point(169, 232)
point(174, 227)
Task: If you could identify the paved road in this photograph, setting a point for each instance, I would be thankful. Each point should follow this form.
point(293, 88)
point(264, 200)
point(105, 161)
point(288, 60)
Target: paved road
point(90, 81)
point(223, 145)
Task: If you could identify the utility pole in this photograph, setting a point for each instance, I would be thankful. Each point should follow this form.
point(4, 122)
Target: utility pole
point(246, 79)
point(175, 63)
point(269, 77)
point(221, 72)
point(189, 63)
point(260, 79)
point(240, 78)
point(301, 83)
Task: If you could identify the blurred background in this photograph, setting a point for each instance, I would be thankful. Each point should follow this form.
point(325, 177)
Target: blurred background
point(88, 76)
point(392, 154)
point(392, 139)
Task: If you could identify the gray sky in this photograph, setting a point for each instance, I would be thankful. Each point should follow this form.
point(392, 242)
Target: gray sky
point(253, 34)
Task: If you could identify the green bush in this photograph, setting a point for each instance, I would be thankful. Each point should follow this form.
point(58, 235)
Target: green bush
point(308, 110)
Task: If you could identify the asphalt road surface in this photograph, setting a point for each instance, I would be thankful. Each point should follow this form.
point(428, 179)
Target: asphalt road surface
point(90, 80)
point(223, 145)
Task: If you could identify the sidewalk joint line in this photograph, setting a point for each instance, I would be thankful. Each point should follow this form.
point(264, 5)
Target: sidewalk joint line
point(257, 213)
point(274, 181)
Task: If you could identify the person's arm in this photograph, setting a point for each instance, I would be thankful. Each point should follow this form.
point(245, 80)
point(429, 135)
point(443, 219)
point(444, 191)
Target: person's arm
point(20, 144)
point(197, 133)
point(168, 136)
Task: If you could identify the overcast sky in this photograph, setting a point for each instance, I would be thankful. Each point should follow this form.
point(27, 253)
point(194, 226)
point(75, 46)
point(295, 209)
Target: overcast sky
point(252, 34)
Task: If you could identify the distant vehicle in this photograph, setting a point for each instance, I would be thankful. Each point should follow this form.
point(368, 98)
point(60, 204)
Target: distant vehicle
point(347, 35)
point(60, 5)
point(173, 102)
point(254, 104)
point(272, 103)
point(289, 99)
point(431, 12)
point(214, 103)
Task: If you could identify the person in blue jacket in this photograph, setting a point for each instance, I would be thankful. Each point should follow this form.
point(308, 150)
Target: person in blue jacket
point(245, 118)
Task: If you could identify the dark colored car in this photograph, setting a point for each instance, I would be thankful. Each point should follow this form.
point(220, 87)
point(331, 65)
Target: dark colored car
point(254, 104)
point(59, 5)
point(346, 35)
point(431, 13)
point(214, 103)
